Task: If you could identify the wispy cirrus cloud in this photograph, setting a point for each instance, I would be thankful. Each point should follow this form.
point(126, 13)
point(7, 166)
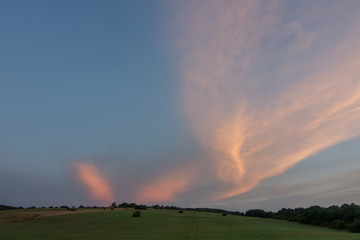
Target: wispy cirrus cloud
point(262, 93)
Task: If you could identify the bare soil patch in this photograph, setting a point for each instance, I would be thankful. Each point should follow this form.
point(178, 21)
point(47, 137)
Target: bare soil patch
point(15, 217)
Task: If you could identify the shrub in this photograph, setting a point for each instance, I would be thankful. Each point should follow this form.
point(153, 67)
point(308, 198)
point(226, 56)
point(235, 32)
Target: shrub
point(224, 214)
point(181, 211)
point(136, 214)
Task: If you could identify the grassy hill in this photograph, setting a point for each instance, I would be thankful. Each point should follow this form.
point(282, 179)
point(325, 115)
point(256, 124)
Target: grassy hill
point(153, 224)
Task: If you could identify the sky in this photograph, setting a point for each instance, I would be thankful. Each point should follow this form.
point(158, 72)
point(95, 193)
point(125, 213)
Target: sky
point(226, 104)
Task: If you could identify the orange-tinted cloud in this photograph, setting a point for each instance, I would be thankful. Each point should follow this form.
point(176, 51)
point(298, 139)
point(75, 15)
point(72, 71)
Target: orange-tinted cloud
point(97, 186)
point(165, 188)
point(261, 94)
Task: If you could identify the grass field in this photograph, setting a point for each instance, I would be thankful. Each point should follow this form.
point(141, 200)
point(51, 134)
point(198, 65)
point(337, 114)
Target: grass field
point(153, 224)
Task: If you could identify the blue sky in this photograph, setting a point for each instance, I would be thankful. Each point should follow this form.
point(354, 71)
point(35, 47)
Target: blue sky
point(231, 104)
point(82, 79)
point(85, 76)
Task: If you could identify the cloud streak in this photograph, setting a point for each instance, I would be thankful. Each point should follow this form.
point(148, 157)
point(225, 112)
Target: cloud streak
point(96, 185)
point(261, 93)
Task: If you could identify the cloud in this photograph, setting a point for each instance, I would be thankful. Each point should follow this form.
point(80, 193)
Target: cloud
point(90, 177)
point(254, 100)
point(164, 188)
point(324, 179)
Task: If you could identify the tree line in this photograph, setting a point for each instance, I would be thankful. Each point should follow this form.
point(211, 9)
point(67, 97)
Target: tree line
point(345, 217)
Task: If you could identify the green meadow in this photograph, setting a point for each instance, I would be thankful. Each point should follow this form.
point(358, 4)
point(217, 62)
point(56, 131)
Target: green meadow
point(155, 224)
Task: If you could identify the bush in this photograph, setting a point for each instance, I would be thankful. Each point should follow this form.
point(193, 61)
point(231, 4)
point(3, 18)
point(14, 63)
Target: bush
point(181, 211)
point(136, 214)
point(224, 214)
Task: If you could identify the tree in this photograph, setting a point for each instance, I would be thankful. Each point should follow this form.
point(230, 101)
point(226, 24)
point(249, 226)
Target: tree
point(355, 226)
point(256, 213)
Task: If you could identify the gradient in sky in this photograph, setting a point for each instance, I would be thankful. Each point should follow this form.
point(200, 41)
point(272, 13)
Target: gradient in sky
point(231, 104)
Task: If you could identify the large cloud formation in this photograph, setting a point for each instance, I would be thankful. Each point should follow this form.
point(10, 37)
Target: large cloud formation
point(267, 84)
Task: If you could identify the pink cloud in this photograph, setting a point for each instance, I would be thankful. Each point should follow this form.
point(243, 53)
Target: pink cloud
point(92, 180)
point(252, 132)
